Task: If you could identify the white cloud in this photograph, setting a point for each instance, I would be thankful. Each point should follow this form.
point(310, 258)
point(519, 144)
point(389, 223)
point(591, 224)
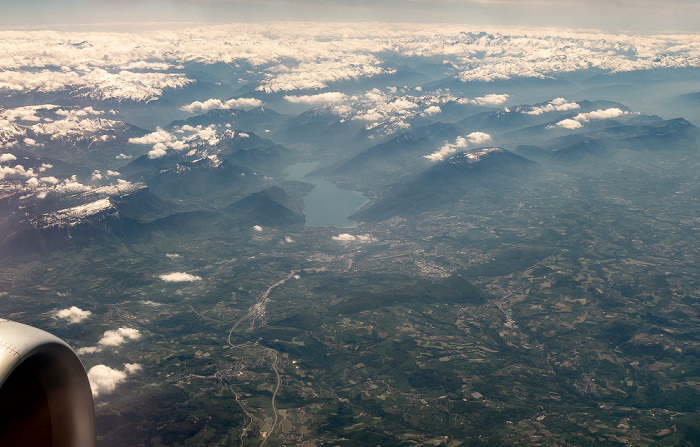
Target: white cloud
point(478, 137)
point(321, 98)
point(19, 171)
point(159, 136)
point(459, 144)
point(132, 368)
point(347, 237)
point(95, 83)
point(25, 113)
point(172, 255)
point(600, 114)
point(432, 110)
point(558, 104)
point(290, 57)
point(344, 237)
point(88, 350)
point(51, 179)
point(119, 336)
point(288, 240)
point(150, 303)
point(158, 151)
point(448, 149)
point(73, 314)
point(179, 277)
point(318, 71)
point(123, 157)
point(492, 99)
point(7, 157)
point(163, 140)
point(257, 228)
point(104, 380)
point(213, 103)
point(569, 124)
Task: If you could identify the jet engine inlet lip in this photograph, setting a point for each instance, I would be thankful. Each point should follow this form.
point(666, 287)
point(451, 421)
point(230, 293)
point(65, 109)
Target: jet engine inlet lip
point(45, 395)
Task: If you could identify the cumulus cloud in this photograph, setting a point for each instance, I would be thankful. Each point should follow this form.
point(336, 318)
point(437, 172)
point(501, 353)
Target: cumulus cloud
point(104, 380)
point(123, 157)
point(172, 255)
point(321, 98)
point(158, 151)
point(111, 338)
point(569, 124)
point(492, 99)
point(257, 228)
point(448, 149)
point(347, 237)
point(132, 368)
point(187, 137)
point(33, 183)
point(73, 314)
point(119, 336)
point(4, 158)
point(213, 103)
point(17, 171)
point(392, 109)
point(558, 104)
point(459, 144)
point(150, 303)
point(161, 141)
point(51, 179)
point(432, 110)
point(159, 136)
point(179, 277)
point(88, 350)
point(344, 237)
point(600, 114)
point(478, 137)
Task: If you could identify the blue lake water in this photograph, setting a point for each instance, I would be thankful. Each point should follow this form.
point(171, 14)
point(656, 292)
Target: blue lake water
point(326, 205)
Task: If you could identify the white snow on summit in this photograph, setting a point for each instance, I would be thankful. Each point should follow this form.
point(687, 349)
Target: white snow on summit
point(71, 216)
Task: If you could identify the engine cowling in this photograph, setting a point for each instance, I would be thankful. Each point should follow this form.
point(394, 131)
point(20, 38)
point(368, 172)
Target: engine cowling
point(45, 395)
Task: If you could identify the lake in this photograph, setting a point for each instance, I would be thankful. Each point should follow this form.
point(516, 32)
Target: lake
point(326, 205)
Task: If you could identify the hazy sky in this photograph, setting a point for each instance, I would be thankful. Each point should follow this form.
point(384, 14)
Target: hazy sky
point(609, 15)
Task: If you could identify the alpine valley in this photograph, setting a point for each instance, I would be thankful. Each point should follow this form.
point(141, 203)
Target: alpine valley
point(509, 252)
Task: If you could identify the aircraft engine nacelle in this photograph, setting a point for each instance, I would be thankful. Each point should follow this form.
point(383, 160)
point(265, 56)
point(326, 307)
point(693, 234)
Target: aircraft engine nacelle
point(45, 396)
